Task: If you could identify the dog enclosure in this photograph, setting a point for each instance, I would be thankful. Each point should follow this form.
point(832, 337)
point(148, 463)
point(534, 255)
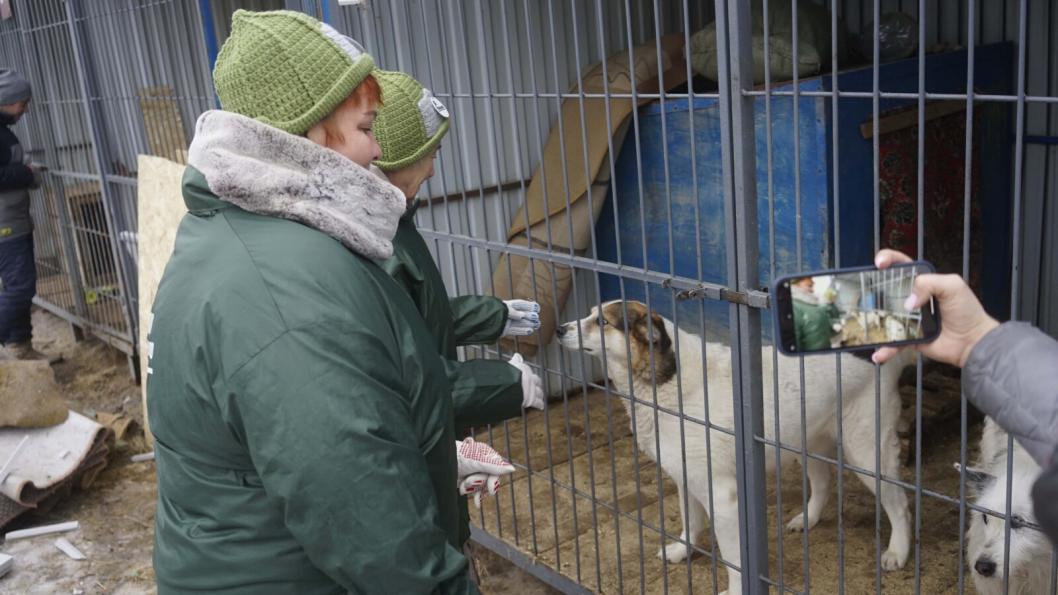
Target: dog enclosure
point(590, 160)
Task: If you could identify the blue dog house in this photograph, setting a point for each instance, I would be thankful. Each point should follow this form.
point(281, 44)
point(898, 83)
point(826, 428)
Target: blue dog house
point(641, 227)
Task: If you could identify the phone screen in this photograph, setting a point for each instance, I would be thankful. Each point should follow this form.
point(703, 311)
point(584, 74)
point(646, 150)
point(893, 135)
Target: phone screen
point(852, 309)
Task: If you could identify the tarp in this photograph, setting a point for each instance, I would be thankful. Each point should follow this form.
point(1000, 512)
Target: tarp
point(73, 452)
point(555, 207)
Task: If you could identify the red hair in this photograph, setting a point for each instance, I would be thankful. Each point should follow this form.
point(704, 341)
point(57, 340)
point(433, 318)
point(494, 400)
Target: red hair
point(368, 90)
point(367, 94)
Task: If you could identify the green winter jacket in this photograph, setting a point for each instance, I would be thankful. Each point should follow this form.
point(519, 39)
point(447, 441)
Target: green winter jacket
point(302, 420)
point(483, 391)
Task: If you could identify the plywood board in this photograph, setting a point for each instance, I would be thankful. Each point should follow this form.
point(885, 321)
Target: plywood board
point(161, 207)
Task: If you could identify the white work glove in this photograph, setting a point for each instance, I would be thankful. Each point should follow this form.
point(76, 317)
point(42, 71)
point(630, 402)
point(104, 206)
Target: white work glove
point(38, 170)
point(532, 391)
point(479, 468)
point(523, 318)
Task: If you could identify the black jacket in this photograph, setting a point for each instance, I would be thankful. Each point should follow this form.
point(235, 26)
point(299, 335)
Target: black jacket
point(15, 181)
point(14, 174)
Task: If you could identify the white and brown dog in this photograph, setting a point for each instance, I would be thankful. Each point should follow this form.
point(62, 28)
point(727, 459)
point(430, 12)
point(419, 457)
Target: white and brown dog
point(640, 357)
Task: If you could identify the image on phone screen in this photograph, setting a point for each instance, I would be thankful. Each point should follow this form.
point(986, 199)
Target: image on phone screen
point(852, 309)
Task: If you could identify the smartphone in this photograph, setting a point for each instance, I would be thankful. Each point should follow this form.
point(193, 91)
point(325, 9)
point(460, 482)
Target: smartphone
point(851, 309)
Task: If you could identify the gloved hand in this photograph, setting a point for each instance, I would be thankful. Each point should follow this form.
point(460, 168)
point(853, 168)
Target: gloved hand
point(38, 170)
point(532, 391)
point(523, 318)
point(479, 468)
point(479, 484)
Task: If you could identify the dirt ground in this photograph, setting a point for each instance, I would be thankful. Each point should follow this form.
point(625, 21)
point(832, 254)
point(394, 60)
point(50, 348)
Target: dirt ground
point(117, 512)
point(563, 512)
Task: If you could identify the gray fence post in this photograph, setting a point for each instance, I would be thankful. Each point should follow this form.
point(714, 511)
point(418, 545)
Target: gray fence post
point(89, 89)
point(740, 187)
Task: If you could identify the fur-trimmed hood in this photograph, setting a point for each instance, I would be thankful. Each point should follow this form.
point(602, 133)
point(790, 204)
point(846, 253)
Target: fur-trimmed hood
point(803, 295)
point(264, 170)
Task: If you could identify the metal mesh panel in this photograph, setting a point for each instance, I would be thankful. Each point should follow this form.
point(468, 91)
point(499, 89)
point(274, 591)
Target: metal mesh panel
point(111, 80)
point(929, 152)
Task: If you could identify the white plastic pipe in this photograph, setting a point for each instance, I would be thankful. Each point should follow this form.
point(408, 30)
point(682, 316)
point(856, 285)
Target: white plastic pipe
point(147, 456)
point(43, 530)
point(69, 549)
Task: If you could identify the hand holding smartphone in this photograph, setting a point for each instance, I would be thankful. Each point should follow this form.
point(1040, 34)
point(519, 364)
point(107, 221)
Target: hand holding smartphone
point(852, 309)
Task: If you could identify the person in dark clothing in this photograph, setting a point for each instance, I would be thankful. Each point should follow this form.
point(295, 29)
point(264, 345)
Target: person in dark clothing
point(1009, 373)
point(18, 271)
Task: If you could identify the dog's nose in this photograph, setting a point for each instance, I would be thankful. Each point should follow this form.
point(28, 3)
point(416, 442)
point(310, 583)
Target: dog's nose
point(561, 330)
point(985, 567)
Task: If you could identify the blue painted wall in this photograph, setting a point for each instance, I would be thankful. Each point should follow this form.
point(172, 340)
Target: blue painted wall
point(634, 226)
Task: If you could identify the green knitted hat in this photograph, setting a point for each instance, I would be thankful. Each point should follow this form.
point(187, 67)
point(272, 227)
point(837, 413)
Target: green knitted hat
point(410, 121)
point(286, 69)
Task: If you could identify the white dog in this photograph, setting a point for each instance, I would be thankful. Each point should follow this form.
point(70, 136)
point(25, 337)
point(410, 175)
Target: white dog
point(644, 359)
point(1030, 551)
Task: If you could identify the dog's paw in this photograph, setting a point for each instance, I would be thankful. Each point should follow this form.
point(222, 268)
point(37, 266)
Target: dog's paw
point(674, 552)
point(797, 524)
point(892, 560)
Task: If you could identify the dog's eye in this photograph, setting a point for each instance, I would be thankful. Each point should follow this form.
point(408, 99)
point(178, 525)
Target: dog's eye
point(1016, 522)
point(984, 517)
point(602, 321)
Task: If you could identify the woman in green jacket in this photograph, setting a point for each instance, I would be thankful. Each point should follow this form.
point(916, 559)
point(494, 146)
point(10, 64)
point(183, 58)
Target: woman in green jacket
point(410, 125)
point(814, 320)
point(409, 128)
point(302, 418)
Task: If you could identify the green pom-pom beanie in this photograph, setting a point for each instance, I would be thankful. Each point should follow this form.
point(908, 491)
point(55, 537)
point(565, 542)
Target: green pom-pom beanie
point(410, 121)
point(286, 69)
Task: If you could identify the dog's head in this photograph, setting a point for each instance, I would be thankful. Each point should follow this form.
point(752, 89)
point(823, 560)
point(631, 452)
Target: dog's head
point(985, 541)
point(628, 335)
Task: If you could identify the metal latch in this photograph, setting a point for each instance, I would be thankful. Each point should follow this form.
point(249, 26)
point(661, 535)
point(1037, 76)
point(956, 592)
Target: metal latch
point(753, 299)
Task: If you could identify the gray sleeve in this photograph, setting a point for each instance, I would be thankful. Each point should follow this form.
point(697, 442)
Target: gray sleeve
point(1012, 376)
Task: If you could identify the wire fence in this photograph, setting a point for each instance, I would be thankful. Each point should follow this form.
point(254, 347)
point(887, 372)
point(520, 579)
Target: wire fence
point(616, 159)
point(690, 194)
point(111, 80)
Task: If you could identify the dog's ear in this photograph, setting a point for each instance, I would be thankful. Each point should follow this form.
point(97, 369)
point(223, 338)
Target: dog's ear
point(650, 330)
point(977, 479)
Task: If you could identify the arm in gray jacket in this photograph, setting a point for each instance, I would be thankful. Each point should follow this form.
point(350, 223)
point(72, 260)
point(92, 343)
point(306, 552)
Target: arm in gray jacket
point(1012, 376)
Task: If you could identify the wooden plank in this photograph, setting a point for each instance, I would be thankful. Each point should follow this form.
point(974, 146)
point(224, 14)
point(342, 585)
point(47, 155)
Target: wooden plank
point(163, 123)
point(91, 248)
point(906, 118)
